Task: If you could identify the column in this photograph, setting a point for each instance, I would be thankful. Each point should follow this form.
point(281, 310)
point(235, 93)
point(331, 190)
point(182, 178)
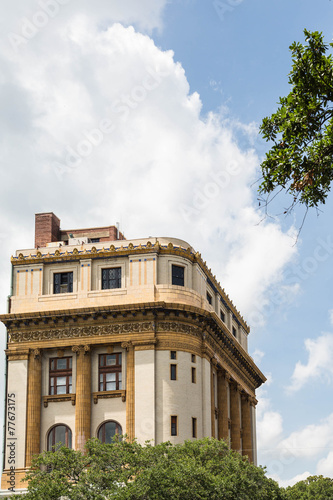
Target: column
point(33, 405)
point(222, 401)
point(212, 398)
point(130, 390)
point(83, 396)
point(235, 417)
point(247, 427)
point(253, 403)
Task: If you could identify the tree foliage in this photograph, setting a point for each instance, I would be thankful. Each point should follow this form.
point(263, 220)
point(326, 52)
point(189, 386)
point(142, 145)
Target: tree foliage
point(300, 161)
point(312, 488)
point(202, 469)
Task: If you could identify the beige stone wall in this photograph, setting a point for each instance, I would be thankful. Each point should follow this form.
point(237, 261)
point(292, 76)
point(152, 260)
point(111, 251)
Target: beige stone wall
point(145, 278)
point(61, 412)
point(145, 394)
point(180, 397)
point(108, 409)
point(17, 385)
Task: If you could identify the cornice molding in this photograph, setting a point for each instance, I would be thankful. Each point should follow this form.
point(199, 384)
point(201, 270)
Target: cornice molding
point(81, 331)
point(123, 322)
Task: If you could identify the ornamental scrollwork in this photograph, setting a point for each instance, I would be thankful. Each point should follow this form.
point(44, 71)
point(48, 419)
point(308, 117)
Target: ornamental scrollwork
point(81, 331)
point(174, 326)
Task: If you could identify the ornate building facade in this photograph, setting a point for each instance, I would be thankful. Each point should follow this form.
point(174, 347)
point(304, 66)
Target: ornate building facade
point(109, 336)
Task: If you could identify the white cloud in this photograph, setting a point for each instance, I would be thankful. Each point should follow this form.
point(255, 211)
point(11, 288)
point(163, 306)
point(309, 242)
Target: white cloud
point(312, 440)
point(325, 466)
point(257, 356)
point(319, 364)
point(37, 20)
point(290, 482)
point(162, 169)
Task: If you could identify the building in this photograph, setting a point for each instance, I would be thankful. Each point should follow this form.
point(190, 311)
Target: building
point(108, 336)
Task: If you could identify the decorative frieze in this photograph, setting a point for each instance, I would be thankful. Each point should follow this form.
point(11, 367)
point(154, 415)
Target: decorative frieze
point(82, 331)
point(175, 326)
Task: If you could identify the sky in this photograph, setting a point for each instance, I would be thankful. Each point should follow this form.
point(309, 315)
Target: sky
point(147, 114)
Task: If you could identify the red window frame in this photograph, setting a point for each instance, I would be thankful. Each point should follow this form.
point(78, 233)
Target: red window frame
point(104, 369)
point(55, 373)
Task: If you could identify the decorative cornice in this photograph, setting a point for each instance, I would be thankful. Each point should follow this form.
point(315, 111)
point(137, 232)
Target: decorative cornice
point(208, 335)
point(81, 331)
point(177, 326)
point(62, 255)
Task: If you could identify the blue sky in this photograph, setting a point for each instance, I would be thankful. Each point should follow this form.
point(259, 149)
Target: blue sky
point(187, 145)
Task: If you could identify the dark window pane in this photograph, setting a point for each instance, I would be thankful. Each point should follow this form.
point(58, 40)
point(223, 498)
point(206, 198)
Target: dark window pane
point(173, 355)
point(234, 331)
point(108, 430)
point(209, 298)
point(173, 372)
point(177, 275)
point(173, 426)
point(63, 282)
point(60, 434)
point(194, 427)
point(111, 278)
point(222, 316)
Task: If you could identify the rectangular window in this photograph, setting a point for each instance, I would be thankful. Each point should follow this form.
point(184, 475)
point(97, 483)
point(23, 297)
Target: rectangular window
point(111, 278)
point(173, 372)
point(194, 375)
point(209, 298)
point(110, 372)
point(60, 376)
point(177, 275)
point(173, 354)
point(222, 316)
point(94, 240)
point(174, 430)
point(234, 332)
point(194, 427)
point(193, 358)
point(62, 282)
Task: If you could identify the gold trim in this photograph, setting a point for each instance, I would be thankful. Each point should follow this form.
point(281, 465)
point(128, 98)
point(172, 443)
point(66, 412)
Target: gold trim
point(109, 394)
point(57, 398)
point(22, 354)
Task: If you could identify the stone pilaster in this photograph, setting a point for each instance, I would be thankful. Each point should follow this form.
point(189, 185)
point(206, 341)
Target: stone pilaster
point(83, 396)
point(222, 401)
point(247, 427)
point(235, 417)
point(130, 390)
point(212, 398)
point(34, 398)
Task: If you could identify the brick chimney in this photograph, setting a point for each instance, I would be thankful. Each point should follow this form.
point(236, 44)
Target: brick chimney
point(47, 229)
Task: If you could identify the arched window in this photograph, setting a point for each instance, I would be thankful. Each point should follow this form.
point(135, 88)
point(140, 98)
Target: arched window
point(108, 430)
point(59, 434)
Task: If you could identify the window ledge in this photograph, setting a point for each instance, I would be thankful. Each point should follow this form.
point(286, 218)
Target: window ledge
point(57, 296)
point(109, 394)
point(59, 397)
point(107, 291)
